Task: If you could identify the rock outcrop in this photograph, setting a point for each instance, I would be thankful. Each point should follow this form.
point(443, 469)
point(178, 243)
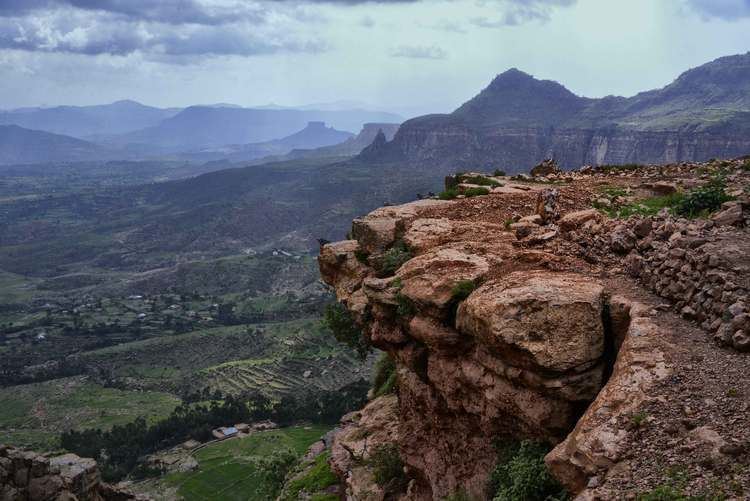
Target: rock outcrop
point(26, 475)
point(553, 333)
point(517, 121)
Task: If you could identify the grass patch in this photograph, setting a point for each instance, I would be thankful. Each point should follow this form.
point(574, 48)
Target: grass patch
point(384, 380)
point(647, 207)
point(237, 469)
point(480, 181)
point(462, 289)
point(475, 192)
point(338, 319)
point(448, 194)
point(317, 478)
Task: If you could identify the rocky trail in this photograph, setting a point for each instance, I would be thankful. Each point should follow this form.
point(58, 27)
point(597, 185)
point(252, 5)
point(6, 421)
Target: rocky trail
point(569, 307)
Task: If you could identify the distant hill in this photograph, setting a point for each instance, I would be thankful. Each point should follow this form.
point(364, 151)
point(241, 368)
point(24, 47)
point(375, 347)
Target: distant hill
point(518, 120)
point(19, 146)
point(314, 135)
point(85, 121)
point(352, 146)
point(204, 127)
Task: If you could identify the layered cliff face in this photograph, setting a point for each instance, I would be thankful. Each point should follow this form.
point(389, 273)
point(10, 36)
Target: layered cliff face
point(527, 314)
point(518, 120)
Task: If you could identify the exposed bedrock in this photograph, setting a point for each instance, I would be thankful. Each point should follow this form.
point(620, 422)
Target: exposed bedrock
point(522, 356)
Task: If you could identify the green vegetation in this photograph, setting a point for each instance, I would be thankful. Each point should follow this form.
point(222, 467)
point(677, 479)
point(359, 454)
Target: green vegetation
point(388, 468)
point(698, 202)
point(448, 194)
point(39, 412)
point(338, 319)
point(475, 192)
point(362, 256)
point(479, 180)
point(675, 484)
point(317, 478)
point(459, 495)
point(385, 379)
point(704, 200)
point(251, 468)
point(404, 306)
point(499, 173)
point(638, 419)
point(521, 475)
point(394, 257)
point(647, 207)
point(462, 289)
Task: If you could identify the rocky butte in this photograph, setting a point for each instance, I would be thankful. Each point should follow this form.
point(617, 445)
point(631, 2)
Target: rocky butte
point(603, 312)
point(519, 120)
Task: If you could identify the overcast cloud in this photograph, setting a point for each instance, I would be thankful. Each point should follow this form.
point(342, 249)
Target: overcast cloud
point(411, 56)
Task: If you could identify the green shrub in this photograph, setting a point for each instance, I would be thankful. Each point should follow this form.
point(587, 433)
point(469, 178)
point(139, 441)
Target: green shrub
point(475, 192)
point(746, 166)
point(499, 173)
point(340, 322)
point(316, 479)
point(703, 200)
point(394, 257)
point(362, 256)
point(521, 475)
point(638, 419)
point(405, 307)
point(448, 194)
point(647, 207)
point(388, 468)
point(462, 289)
point(384, 380)
point(480, 180)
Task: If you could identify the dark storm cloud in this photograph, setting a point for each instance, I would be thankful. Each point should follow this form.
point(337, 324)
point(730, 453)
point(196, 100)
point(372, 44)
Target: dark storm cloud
point(723, 9)
point(163, 11)
point(64, 36)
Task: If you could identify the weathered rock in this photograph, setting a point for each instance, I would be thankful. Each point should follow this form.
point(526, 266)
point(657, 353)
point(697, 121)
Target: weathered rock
point(379, 229)
point(574, 220)
point(339, 265)
point(545, 168)
point(361, 434)
point(549, 321)
point(597, 441)
point(729, 216)
point(546, 205)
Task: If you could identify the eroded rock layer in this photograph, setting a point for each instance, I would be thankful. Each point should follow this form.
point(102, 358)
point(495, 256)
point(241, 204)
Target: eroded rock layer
point(512, 315)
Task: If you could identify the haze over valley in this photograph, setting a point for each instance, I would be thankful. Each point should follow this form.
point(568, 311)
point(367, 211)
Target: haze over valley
point(359, 293)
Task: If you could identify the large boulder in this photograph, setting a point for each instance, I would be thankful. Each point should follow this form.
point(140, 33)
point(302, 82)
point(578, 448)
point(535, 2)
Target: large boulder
point(552, 322)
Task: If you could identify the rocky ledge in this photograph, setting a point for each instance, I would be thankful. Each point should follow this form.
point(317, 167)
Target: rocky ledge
point(527, 313)
point(26, 475)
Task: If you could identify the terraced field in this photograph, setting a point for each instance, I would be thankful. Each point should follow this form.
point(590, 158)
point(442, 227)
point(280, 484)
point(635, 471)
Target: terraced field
point(33, 415)
point(227, 470)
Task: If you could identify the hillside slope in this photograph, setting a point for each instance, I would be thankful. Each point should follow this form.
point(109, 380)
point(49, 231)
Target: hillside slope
point(518, 120)
point(19, 145)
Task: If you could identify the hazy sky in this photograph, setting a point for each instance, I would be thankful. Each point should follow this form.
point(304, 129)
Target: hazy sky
point(407, 56)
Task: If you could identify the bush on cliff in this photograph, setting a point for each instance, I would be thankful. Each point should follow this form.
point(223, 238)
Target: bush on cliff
point(394, 257)
point(521, 475)
point(384, 376)
point(388, 468)
point(338, 319)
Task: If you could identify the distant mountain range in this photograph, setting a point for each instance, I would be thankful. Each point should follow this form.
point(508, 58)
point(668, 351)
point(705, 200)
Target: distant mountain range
point(130, 130)
point(314, 135)
point(22, 146)
point(86, 121)
point(518, 120)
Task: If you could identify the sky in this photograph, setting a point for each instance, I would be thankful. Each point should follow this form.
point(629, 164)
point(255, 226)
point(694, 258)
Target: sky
point(408, 56)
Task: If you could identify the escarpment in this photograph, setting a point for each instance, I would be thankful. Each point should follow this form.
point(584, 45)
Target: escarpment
point(527, 314)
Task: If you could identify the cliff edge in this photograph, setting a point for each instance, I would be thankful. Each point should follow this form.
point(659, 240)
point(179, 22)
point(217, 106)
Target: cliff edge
point(602, 313)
